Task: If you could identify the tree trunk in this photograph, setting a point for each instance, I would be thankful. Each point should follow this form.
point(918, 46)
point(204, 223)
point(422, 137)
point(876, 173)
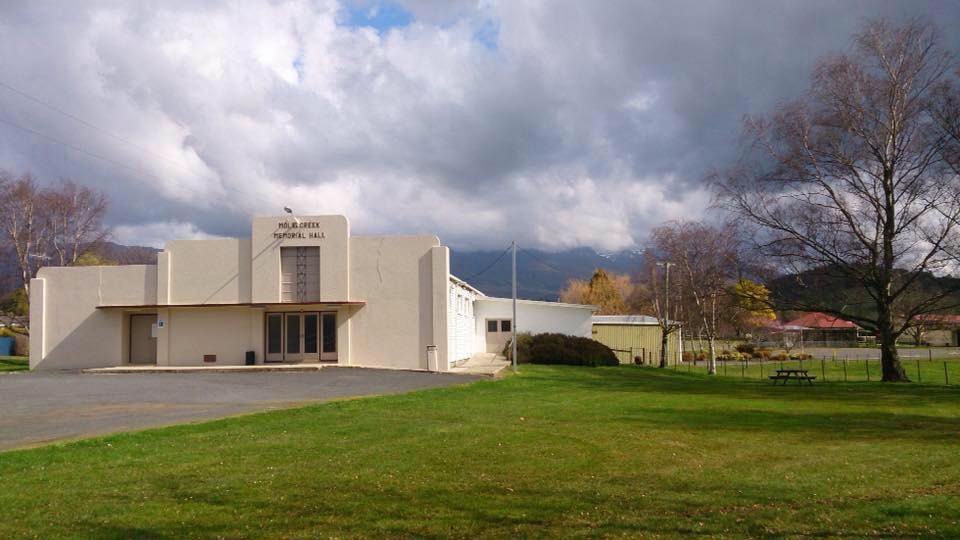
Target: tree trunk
point(664, 337)
point(889, 357)
point(713, 357)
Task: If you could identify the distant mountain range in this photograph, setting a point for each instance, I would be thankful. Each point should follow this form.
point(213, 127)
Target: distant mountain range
point(541, 274)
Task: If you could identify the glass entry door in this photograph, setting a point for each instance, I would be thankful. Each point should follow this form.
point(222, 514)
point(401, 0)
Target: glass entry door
point(301, 337)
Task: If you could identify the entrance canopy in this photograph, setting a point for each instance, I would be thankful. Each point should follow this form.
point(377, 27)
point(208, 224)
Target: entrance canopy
point(260, 305)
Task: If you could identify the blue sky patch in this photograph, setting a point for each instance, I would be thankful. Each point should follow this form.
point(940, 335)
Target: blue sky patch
point(488, 34)
point(381, 16)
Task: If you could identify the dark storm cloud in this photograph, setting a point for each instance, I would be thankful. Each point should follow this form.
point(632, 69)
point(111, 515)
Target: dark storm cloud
point(560, 123)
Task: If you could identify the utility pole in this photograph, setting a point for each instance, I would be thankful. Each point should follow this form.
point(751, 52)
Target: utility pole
point(513, 325)
point(665, 343)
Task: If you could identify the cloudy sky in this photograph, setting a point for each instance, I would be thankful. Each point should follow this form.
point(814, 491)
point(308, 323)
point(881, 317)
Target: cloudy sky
point(560, 123)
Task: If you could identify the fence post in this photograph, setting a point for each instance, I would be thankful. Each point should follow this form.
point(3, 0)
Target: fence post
point(929, 355)
point(823, 372)
point(743, 369)
point(844, 369)
point(919, 379)
point(866, 363)
point(761, 369)
point(946, 378)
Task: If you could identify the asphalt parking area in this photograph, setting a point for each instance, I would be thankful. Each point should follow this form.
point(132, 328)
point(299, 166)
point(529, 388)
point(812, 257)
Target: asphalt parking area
point(36, 408)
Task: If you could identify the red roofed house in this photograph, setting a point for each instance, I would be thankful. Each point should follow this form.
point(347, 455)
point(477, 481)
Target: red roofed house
point(821, 327)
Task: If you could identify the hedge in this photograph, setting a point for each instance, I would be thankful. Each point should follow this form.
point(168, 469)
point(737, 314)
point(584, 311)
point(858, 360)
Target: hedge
point(561, 349)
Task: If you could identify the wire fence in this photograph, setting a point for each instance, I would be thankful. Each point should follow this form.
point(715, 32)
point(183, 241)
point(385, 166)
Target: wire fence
point(938, 371)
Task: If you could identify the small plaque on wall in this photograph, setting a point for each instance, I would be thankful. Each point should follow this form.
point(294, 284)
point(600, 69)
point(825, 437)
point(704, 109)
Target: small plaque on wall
point(209, 358)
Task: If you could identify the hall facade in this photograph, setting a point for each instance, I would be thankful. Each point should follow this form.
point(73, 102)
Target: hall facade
point(298, 290)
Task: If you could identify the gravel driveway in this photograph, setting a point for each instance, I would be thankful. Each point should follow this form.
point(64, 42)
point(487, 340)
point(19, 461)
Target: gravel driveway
point(42, 407)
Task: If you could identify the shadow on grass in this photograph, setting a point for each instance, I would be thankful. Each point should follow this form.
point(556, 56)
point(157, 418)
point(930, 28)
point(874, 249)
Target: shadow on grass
point(845, 425)
point(633, 379)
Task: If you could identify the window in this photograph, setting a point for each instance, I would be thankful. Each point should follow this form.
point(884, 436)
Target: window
point(310, 336)
point(329, 332)
point(492, 326)
point(505, 325)
point(274, 333)
point(300, 274)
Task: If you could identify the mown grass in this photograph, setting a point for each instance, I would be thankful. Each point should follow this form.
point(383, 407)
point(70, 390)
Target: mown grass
point(553, 451)
point(14, 363)
point(936, 371)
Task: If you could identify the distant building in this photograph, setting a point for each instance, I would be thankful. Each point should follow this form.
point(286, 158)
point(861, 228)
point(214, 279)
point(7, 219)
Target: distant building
point(938, 330)
point(816, 327)
point(636, 338)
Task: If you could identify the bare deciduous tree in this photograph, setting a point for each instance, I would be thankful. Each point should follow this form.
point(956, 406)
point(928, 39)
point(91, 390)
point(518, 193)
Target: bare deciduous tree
point(855, 177)
point(22, 222)
point(53, 225)
point(705, 260)
point(74, 220)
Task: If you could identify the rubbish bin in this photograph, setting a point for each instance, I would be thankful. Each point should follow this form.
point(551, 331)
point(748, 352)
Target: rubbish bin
point(251, 358)
point(6, 346)
point(432, 358)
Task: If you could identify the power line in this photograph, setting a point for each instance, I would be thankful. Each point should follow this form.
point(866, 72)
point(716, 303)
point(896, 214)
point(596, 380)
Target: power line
point(489, 266)
point(550, 266)
point(251, 197)
point(91, 125)
point(78, 149)
point(92, 154)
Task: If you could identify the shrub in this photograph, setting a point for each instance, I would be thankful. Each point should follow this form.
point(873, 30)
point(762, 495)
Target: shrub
point(524, 339)
point(746, 348)
point(688, 357)
point(779, 357)
point(562, 349)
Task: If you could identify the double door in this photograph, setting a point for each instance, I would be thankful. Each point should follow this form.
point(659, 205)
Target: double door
point(301, 337)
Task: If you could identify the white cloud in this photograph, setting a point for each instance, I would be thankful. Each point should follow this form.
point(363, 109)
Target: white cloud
point(568, 124)
point(157, 234)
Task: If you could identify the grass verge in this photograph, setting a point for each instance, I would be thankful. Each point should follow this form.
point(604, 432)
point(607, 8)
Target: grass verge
point(553, 451)
point(14, 363)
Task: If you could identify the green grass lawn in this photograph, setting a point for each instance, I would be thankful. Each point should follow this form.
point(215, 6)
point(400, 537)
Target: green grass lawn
point(553, 451)
point(14, 363)
point(929, 371)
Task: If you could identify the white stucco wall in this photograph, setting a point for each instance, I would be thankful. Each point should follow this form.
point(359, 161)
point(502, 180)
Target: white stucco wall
point(534, 317)
point(461, 323)
point(394, 275)
point(330, 233)
point(214, 271)
point(72, 332)
point(227, 333)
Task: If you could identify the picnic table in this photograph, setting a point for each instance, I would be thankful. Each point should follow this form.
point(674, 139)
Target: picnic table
point(798, 375)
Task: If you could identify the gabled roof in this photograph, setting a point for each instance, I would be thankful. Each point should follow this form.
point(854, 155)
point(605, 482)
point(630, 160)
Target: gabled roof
point(821, 321)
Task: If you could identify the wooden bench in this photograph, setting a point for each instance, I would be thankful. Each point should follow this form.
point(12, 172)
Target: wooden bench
point(798, 375)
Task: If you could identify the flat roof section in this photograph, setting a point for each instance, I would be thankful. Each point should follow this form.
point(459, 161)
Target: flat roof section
point(639, 320)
